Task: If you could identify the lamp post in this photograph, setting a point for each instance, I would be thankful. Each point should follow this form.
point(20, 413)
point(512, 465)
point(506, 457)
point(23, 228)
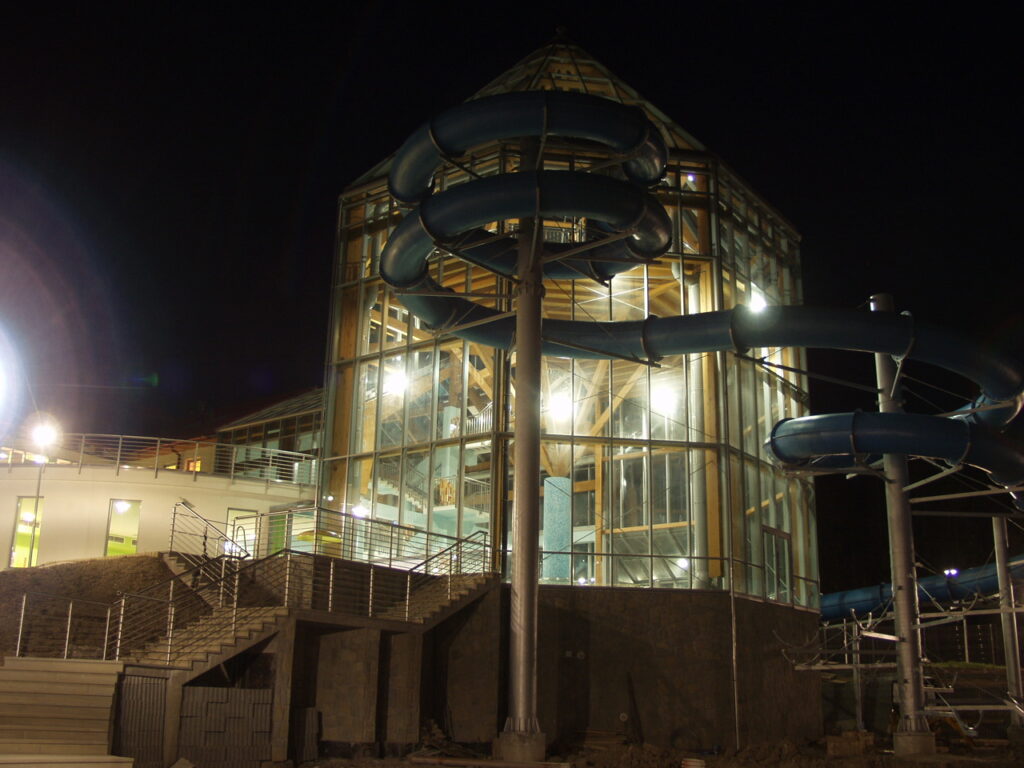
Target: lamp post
point(45, 434)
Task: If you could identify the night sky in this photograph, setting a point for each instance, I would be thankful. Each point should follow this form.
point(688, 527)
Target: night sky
point(169, 174)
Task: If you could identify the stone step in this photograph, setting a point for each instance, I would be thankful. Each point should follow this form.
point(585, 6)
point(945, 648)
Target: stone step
point(12, 733)
point(62, 724)
point(54, 685)
point(29, 676)
point(64, 761)
point(34, 746)
point(63, 665)
point(55, 699)
point(45, 710)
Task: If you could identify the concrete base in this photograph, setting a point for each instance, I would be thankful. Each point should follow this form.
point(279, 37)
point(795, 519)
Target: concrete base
point(1015, 735)
point(514, 747)
point(911, 743)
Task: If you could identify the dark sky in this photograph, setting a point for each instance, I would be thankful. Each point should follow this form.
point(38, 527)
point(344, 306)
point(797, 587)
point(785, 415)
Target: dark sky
point(168, 176)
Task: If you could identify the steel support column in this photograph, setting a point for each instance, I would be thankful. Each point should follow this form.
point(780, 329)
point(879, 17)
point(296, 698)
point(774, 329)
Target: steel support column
point(1008, 616)
point(912, 736)
point(521, 739)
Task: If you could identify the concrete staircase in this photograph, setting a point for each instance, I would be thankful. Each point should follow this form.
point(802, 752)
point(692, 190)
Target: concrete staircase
point(436, 600)
point(57, 712)
point(212, 639)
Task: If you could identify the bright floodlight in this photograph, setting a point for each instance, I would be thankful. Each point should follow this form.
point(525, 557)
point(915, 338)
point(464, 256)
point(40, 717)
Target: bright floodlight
point(360, 511)
point(45, 434)
point(395, 382)
point(950, 572)
point(757, 303)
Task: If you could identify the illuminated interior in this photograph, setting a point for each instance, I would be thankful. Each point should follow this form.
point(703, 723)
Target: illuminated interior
point(651, 476)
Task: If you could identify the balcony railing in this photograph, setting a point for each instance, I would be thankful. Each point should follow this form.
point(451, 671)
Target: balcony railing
point(160, 454)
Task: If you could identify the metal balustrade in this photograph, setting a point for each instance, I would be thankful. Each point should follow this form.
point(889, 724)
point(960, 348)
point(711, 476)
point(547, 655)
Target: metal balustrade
point(212, 604)
point(195, 539)
point(120, 453)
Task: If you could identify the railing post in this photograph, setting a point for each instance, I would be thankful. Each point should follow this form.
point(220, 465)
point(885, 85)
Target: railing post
point(174, 520)
point(156, 459)
point(231, 471)
point(120, 630)
point(234, 604)
point(220, 585)
point(370, 596)
point(391, 544)
point(450, 567)
point(67, 631)
point(106, 634)
point(330, 588)
point(81, 454)
point(170, 630)
point(195, 462)
point(287, 574)
point(21, 625)
point(117, 465)
point(408, 592)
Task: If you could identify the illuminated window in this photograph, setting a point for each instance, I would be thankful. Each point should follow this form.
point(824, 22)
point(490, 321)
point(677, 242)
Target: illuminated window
point(193, 465)
point(123, 527)
point(28, 521)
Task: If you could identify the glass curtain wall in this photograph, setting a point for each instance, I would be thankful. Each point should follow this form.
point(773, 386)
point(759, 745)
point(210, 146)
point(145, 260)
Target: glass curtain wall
point(652, 476)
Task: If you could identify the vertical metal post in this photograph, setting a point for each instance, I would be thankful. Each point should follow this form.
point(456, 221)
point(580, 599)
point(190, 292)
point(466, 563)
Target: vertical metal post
point(450, 567)
point(858, 693)
point(106, 634)
point(220, 586)
point(391, 544)
point(369, 596)
point(408, 592)
point(1008, 616)
point(967, 640)
point(174, 520)
point(21, 625)
point(522, 739)
point(330, 587)
point(287, 574)
point(67, 630)
point(195, 462)
point(234, 604)
point(120, 630)
point(912, 736)
point(156, 459)
point(117, 465)
point(35, 518)
point(170, 630)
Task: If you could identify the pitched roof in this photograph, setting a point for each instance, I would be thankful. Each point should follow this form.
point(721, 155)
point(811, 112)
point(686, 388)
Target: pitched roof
point(564, 66)
point(307, 402)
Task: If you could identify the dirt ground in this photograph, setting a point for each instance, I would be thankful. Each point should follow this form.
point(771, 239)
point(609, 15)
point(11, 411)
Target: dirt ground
point(782, 754)
point(97, 580)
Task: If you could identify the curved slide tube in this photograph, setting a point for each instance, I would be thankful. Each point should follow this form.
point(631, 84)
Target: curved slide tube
point(453, 220)
point(982, 580)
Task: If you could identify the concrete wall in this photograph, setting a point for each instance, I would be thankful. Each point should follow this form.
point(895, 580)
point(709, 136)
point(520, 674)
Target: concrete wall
point(346, 694)
point(654, 665)
point(76, 504)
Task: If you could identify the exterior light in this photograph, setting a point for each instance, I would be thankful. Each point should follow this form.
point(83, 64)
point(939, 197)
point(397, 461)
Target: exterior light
point(951, 573)
point(45, 434)
point(757, 303)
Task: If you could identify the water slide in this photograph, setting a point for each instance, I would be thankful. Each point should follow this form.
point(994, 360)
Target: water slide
point(633, 228)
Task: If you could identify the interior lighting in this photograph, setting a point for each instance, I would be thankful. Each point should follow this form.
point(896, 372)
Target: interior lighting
point(395, 382)
point(690, 177)
point(122, 506)
point(360, 511)
point(663, 397)
point(582, 581)
point(28, 517)
point(950, 572)
point(757, 303)
point(683, 563)
point(560, 405)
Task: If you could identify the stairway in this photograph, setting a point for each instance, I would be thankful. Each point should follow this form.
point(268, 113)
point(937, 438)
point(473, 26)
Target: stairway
point(57, 712)
point(431, 602)
point(212, 639)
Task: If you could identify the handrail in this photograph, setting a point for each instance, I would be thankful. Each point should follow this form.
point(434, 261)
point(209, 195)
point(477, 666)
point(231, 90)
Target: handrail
point(159, 454)
point(221, 538)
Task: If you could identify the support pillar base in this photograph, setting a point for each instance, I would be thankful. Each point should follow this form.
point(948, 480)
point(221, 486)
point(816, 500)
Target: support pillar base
point(910, 743)
point(518, 747)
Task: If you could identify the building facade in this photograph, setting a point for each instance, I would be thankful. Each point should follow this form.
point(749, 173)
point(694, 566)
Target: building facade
point(652, 476)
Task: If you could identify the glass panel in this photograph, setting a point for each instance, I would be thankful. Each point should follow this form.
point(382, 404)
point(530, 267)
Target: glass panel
point(629, 399)
point(387, 481)
point(28, 521)
point(420, 395)
point(372, 317)
point(590, 397)
point(479, 389)
point(444, 482)
point(476, 488)
point(416, 495)
point(366, 407)
point(556, 400)
point(394, 384)
point(449, 390)
point(123, 527)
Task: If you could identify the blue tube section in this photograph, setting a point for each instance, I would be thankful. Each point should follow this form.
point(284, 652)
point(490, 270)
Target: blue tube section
point(530, 113)
point(982, 580)
point(456, 219)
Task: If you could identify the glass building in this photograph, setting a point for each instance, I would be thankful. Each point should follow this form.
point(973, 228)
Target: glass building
point(652, 476)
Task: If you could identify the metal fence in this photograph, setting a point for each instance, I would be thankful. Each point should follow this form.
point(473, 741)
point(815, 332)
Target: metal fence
point(158, 454)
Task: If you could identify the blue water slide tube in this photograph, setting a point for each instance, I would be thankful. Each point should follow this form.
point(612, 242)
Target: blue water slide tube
point(455, 219)
point(982, 580)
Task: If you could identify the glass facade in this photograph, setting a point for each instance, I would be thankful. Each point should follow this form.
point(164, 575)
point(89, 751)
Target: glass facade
point(652, 476)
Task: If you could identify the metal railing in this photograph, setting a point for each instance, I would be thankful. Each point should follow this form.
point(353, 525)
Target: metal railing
point(159, 454)
point(210, 605)
point(60, 627)
point(197, 540)
point(322, 531)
